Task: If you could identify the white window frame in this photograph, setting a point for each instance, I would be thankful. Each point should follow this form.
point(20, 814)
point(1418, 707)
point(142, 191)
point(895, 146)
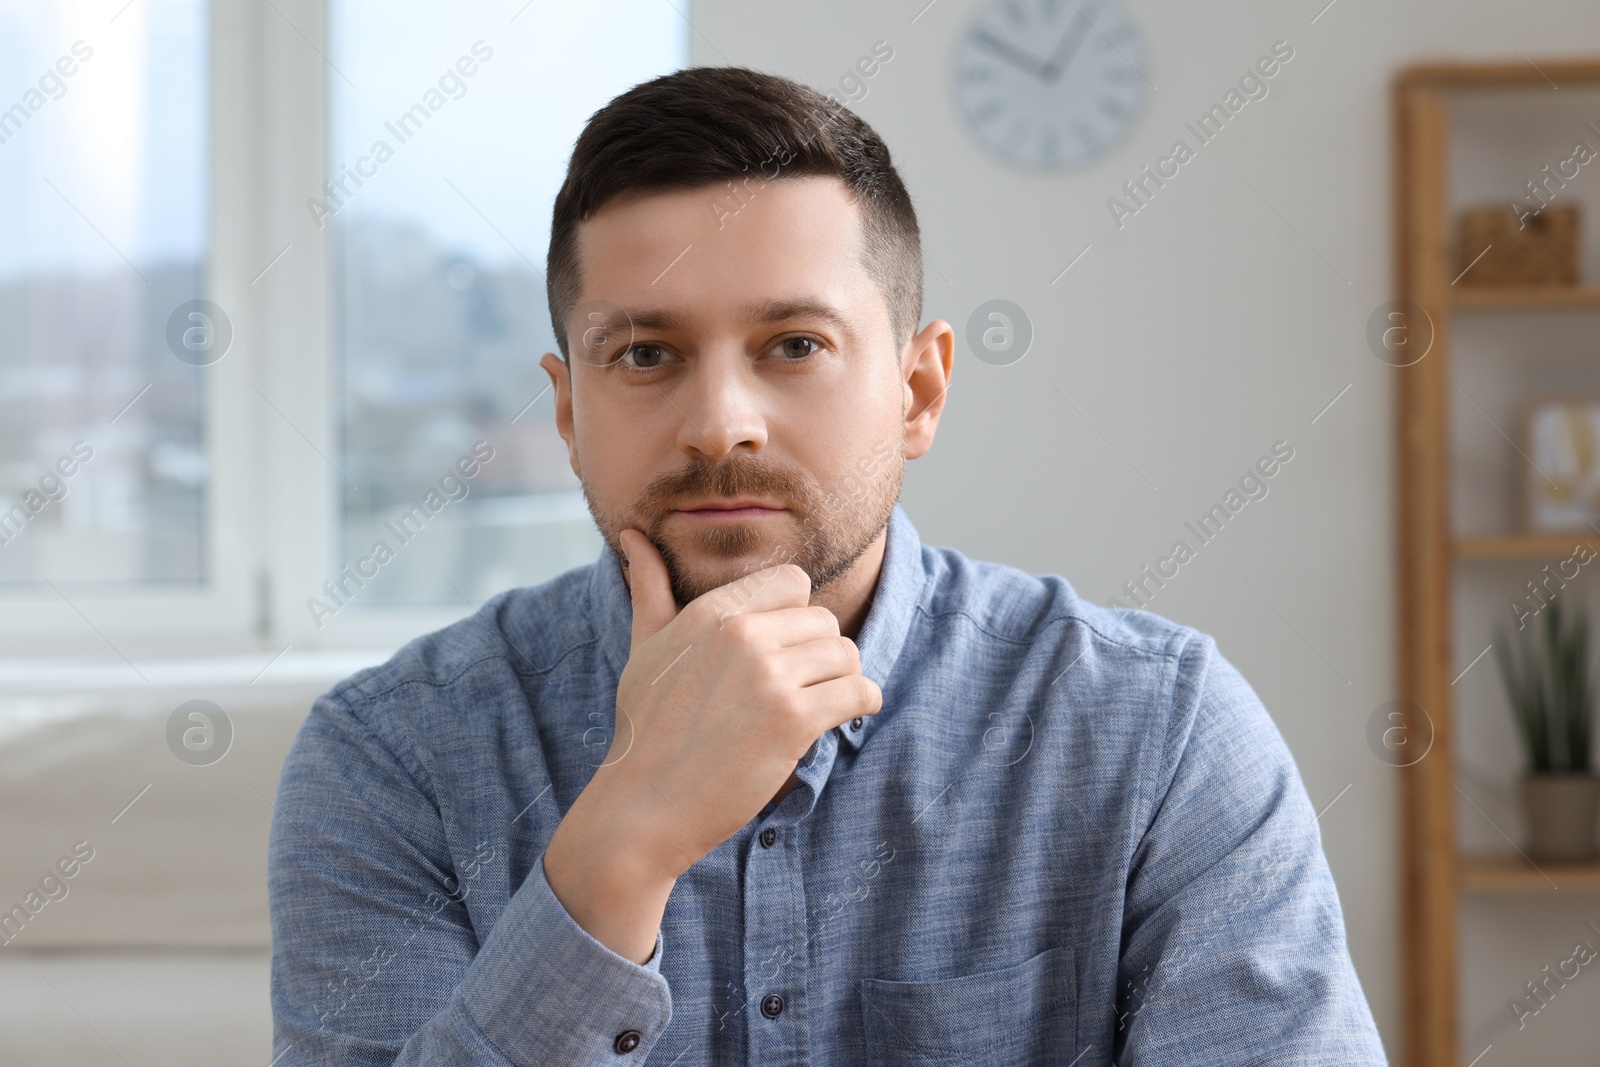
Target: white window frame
point(274, 526)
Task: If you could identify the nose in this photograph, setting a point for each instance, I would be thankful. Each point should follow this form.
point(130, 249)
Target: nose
point(722, 407)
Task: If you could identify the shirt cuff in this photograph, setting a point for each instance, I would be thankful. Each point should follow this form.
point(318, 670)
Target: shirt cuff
point(544, 990)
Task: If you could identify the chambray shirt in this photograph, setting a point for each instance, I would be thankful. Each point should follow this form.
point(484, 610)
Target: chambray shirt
point(1071, 836)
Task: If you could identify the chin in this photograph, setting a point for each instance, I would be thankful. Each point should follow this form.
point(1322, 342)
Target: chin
point(701, 576)
point(720, 570)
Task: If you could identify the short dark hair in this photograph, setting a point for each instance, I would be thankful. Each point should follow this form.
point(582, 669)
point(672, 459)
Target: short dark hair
point(709, 125)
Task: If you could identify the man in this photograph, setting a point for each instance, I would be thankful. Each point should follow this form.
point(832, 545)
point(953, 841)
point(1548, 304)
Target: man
point(772, 781)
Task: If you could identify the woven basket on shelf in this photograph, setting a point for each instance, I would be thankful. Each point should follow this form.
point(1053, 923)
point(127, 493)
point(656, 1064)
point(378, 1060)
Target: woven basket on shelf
point(1543, 250)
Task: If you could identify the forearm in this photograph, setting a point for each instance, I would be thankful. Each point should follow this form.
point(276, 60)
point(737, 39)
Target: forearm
point(610, 886)
point(538, 990)
point(355, 856)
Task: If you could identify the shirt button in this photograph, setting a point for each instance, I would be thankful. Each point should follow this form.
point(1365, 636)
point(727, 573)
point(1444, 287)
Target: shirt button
point(771, 1005)
point(626, 1041)
point(768, 836)
point(855, 724)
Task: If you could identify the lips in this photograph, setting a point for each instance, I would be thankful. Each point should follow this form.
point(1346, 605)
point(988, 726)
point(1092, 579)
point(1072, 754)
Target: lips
point(732, 505)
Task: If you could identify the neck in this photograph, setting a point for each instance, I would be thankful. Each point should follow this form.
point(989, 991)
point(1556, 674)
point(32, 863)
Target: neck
point(849, 596)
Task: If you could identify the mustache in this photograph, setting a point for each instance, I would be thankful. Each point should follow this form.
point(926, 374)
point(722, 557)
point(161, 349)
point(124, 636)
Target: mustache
point(704, 478)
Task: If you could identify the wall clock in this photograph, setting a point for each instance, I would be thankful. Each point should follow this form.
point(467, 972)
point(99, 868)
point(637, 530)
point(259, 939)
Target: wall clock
point(1050, 84)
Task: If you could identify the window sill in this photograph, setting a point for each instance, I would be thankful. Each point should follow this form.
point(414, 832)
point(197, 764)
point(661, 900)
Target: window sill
point(292, 669)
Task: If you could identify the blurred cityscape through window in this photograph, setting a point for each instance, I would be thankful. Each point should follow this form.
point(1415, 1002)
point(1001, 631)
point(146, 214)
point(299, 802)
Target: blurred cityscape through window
point(449, 140)
point(104, 157)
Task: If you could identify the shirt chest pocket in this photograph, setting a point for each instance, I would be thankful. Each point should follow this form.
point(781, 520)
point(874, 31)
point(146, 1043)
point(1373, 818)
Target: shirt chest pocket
point(1015, 1016)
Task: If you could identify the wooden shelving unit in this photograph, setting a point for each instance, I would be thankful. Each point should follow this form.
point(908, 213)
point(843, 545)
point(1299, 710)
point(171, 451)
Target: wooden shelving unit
point(1510, 873)
point(1530, 299)
point(1523, 546)
point(1434, 872)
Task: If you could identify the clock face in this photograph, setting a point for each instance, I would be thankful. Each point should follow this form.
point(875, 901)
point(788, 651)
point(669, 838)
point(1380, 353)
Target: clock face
point(1050, 84)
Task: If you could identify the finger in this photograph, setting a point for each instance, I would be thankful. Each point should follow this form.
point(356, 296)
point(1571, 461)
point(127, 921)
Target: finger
point(838, 700)
point(783, 586)
point(819, 660)
point(649, 587)
point(783, 627)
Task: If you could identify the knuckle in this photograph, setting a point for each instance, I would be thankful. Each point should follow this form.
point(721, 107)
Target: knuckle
point(768, 677)
point(738, 628)
point(711, 607)
point(787, 704)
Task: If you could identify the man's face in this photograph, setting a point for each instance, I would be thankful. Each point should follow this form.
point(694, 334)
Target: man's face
point(751, 360)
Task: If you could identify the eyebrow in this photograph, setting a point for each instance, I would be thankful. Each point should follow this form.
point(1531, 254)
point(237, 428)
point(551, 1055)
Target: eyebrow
point(758, 311)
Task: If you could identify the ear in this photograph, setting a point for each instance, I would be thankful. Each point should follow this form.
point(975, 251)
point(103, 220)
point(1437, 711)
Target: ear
point(926, 364)
point(561, 379)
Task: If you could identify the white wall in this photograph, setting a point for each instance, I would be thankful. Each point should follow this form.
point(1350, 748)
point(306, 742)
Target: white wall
point(1204, 330)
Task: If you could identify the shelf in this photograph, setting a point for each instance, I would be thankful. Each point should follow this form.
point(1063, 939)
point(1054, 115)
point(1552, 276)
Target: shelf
point(1528, 297)
point(1510, 873)
point(1440, 885)
point(1507, 74)
point(1523, 546)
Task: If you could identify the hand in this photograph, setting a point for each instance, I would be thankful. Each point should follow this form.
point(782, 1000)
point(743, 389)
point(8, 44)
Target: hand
point(715, 708)
point(720, 702)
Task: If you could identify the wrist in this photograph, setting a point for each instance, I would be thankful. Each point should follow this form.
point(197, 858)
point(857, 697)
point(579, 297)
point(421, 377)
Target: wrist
point(629, 832)
point(617, 899)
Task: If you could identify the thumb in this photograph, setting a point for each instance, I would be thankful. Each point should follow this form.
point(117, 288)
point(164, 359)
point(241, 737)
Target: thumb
point(651, 589)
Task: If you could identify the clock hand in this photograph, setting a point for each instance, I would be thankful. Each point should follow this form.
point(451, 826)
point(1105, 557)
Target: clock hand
point(1069, 46)
point(1012, 54)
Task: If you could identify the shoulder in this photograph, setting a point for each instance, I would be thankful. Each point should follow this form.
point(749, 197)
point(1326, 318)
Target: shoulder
point(1014, 605)
point(443, 708)
point(1162, 685)
point(1158, 697)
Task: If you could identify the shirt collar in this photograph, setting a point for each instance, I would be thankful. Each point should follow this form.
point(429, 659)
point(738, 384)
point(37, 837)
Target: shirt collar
point(901, 581)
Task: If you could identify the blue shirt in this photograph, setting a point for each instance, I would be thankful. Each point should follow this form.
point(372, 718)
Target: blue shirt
point(1071, 836)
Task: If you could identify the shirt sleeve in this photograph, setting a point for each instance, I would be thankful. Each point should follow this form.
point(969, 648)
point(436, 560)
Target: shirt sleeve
point(1234, 942)
point(374, 957)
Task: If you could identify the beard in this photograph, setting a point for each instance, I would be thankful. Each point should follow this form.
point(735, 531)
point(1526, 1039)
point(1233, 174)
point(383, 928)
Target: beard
point(823, 532)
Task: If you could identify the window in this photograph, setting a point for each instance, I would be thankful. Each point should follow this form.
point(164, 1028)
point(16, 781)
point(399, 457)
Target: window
point(103, 173)
point(278, 270)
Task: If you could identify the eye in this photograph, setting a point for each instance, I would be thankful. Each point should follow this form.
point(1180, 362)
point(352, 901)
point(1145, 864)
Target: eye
point(798, 349)
point(643, 354)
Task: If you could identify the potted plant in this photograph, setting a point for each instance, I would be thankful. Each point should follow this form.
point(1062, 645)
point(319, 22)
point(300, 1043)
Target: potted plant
point(1548, 681)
